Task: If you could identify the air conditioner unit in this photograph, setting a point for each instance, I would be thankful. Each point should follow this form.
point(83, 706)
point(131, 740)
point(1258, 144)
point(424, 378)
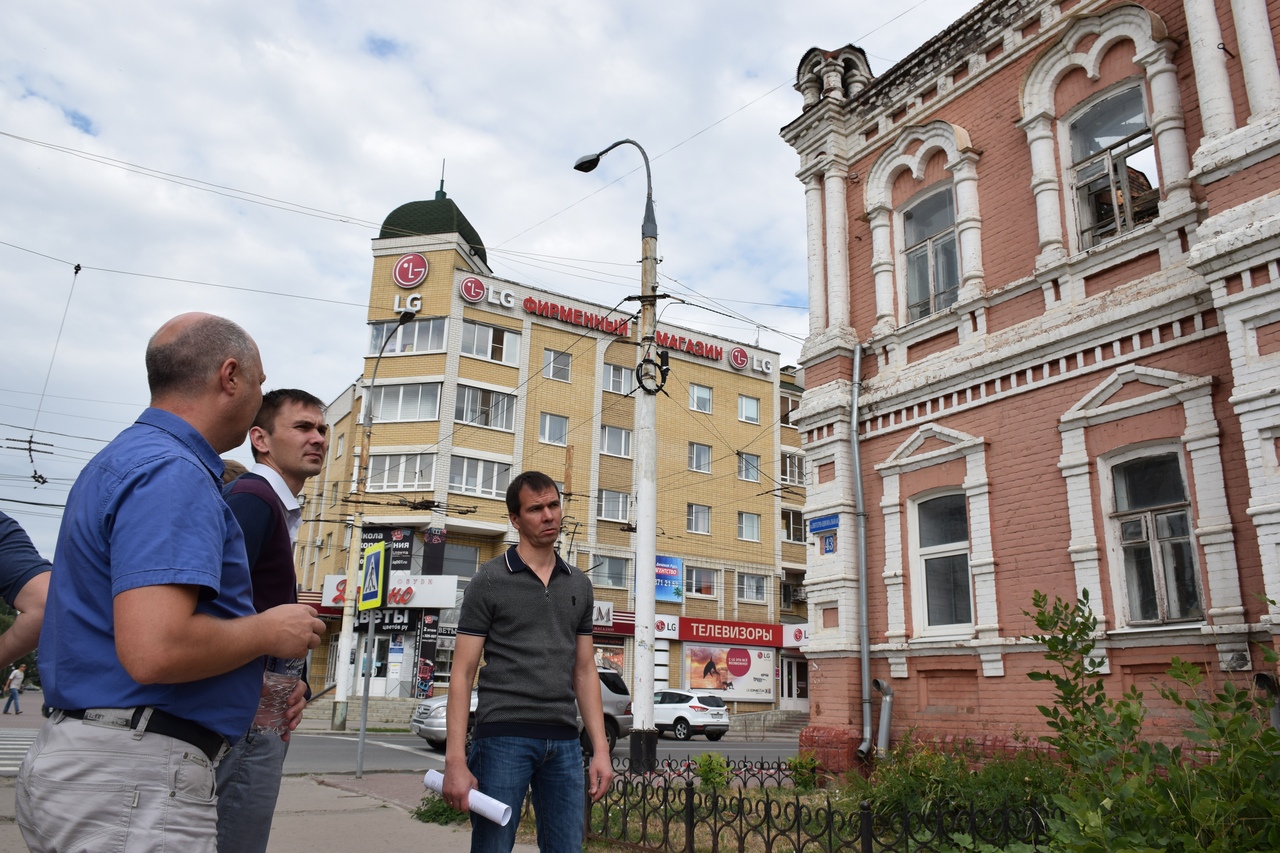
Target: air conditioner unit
point(799, 594)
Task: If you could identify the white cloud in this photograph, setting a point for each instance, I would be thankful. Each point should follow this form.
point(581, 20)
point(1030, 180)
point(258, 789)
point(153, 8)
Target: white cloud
point(352, 109)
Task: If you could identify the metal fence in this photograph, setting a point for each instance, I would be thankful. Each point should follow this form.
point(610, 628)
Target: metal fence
point(665, 812)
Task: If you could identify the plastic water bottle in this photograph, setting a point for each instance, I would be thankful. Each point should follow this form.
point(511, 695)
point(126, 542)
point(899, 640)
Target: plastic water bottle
point(278, 681)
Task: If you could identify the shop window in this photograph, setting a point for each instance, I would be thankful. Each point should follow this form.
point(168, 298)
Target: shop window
point(1153, 524)
point(932, 259)
point(1114, 167)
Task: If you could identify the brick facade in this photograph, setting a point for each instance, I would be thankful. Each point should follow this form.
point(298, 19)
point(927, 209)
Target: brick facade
point(1063, 273)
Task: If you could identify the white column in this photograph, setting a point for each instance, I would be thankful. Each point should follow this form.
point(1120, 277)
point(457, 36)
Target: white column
point(1044, 186)
point(1086, 556)
point(837, 247)
point(1257, 56)
point(1217, 112)
point(1168, 128)
point(817, 261)
point(882, 267)
point(968, 224)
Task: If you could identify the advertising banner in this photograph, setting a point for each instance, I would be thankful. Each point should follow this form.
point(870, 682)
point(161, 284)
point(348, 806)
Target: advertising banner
point(669, 579)
point(730, 672)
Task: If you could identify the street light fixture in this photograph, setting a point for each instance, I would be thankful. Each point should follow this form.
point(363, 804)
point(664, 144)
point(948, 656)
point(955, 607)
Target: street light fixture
point(650, 376)
point(343, 668)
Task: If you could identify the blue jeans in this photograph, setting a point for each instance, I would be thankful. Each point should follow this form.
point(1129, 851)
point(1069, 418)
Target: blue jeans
point(13, 700)
point(248, 786)
point(505, 767)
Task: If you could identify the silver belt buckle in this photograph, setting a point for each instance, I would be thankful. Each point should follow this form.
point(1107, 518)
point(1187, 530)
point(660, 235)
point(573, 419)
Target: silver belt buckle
point(109, 718)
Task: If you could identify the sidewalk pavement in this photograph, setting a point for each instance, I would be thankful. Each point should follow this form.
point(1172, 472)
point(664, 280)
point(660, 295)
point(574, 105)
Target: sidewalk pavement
point(318, 813)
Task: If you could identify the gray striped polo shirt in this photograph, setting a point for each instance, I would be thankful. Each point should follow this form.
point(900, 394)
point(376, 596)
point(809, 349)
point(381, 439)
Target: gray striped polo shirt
point(530, 645)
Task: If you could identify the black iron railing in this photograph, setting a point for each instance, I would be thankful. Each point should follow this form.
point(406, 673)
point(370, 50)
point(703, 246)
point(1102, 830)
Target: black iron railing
point(667, 812)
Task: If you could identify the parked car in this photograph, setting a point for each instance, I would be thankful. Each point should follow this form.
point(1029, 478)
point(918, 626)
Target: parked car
point(428, 720)
point(685, 714)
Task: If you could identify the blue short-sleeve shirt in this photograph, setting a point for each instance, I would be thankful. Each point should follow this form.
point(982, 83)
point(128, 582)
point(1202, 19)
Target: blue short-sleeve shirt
point(19, 559)
point(146, 511)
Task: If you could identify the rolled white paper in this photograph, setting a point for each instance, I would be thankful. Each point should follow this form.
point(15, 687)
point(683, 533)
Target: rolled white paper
point(482, 804)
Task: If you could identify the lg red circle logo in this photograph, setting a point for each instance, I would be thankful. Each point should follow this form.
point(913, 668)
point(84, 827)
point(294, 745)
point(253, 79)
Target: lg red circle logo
point(799, 634)
point(410, 270)
point(660, 625)
point(738, 357)
point(739, 662)
point(472, 289)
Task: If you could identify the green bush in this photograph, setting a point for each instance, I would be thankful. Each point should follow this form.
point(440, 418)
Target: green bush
point(804, 769)
point(712, 770)
point(1126, 793)
point(434, 809)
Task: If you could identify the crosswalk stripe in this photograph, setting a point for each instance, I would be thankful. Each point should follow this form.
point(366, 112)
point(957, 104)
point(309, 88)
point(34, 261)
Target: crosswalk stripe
point(14, 744)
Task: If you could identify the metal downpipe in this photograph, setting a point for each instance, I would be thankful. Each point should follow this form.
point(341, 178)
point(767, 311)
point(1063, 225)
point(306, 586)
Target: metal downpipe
point(860, 523)
point(886, 714)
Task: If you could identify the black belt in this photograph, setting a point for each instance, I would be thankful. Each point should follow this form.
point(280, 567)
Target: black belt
point(160, 722)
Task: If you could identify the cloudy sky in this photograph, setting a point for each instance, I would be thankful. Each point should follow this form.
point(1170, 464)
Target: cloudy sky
point(237, 157)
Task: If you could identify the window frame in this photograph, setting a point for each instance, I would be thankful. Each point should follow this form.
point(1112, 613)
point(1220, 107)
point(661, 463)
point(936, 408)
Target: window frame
point(920, 555)
point(493, 344)
point(789, 528)
point(694, 448)
point(611, 373)
point(556, 362)
point(1114, 518)
point(744, 528)
point(606, 430)
point(460, 487)
point(462, 404)
point(1085, 234)
point(695, 398)
point(939, 299)
point(598, 561)
point(610, 498)
point(438, 332)
point(763, 584)
point(377, 400)
point(791, 469)
point(747, 467)
point(691, 576)
point(378, 482)
point(543, 435)
point(694, 513)
point(744, 400)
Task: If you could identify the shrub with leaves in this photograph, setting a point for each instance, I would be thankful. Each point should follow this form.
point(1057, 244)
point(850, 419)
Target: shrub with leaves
point(804, 769)
point(712, 770)
point(1126, 793)
point(433, 809)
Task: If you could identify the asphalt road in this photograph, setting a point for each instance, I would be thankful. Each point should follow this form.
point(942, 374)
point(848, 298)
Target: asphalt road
point(315, 753)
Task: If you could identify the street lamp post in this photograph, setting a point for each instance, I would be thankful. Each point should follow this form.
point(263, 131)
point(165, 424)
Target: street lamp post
point(650, 376)
point(342, 670)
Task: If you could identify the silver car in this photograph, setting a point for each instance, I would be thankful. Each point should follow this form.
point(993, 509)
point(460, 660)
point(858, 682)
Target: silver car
point(428, 720)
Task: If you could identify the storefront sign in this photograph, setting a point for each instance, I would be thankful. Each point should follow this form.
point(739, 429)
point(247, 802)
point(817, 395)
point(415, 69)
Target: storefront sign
point(746, 633)
point(602, 617)
point(410, 270)
point(702, 349)
point(405, 590)
point(740, 359)
point(731, 672)
point(474, 291)
point(577, 317)
point(384, 621)
point(795, 636)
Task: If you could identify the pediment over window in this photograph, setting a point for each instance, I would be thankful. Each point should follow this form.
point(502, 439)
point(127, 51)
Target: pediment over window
point(1132, 389)
point(931, 444)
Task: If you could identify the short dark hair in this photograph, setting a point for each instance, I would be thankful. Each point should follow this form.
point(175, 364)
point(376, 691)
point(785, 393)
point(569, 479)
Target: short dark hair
point(534, 481)
point(273, 402)
point(185, 362)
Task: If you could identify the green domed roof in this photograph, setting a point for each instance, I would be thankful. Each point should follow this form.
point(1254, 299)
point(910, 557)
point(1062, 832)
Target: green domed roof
point(438, 216)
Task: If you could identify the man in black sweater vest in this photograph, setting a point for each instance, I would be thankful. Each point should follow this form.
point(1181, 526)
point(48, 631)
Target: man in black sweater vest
point(289, 438)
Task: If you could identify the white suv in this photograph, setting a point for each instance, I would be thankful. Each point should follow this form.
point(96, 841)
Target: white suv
point(428, 720)
point(685, 714)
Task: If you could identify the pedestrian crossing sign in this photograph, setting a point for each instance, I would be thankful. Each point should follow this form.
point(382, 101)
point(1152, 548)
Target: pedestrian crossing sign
point(373, 577)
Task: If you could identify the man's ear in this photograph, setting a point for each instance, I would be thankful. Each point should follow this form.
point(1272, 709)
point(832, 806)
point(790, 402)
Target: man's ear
point(229, 376)
point(258, 439)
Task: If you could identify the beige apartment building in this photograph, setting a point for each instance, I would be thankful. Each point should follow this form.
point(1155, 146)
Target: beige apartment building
point(492, 377)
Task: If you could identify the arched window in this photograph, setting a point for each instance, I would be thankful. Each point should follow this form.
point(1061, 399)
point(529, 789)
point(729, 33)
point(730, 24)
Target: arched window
point(933, 262)
point(1114, 167)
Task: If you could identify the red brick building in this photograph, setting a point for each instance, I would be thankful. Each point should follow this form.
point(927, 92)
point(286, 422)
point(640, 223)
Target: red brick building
point(1048, 243)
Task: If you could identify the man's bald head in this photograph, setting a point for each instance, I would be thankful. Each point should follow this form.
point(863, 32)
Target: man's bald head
point(184, 356)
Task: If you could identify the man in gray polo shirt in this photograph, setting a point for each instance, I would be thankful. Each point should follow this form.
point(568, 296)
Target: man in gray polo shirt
point(530, 613)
